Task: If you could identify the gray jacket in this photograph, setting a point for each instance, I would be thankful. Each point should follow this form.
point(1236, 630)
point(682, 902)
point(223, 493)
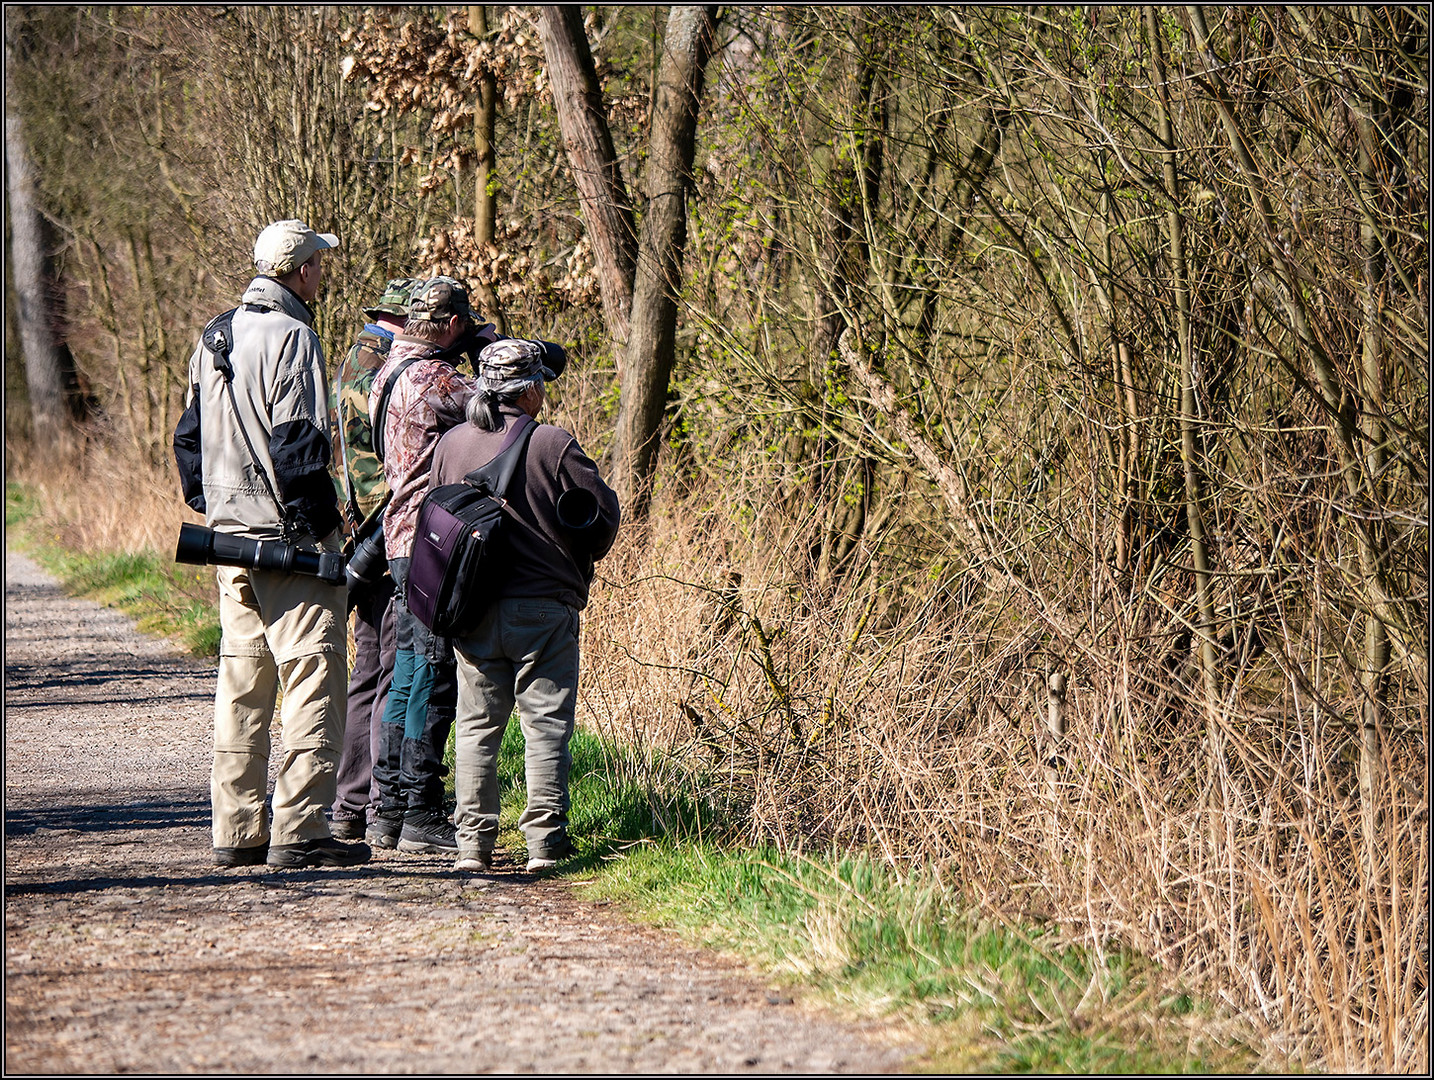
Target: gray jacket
point(281, 396)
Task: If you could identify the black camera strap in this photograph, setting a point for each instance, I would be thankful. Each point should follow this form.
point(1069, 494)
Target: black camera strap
point(218, 338)
point(380, 412)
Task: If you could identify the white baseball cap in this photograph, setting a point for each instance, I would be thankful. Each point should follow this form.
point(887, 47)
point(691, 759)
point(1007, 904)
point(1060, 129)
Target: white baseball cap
point(285, 246)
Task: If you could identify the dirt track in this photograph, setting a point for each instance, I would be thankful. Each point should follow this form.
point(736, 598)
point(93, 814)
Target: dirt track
point(127, 951)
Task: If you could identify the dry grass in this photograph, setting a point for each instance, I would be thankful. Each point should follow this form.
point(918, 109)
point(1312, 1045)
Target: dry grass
point(102, 500)
point(900, 720)
point(904, 715)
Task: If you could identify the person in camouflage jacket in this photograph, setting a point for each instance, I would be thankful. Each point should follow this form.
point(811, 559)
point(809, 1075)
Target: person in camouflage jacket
point(363, 493)
point(426, 397)
point(362, 487)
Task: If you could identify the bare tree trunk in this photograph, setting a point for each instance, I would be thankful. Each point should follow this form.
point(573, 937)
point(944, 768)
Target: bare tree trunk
point(852, 183)
point(44, 359)
point(1189, 443)
point(1055, 737)
point(485, 195)
point(596, 172)
point(651, 343)
point(1372, 123)
point(853, 188)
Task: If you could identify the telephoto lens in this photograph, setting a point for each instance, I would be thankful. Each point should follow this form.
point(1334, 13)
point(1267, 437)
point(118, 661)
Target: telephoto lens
point(193, 545)
point(201, 546)
point(555, 357)
point(369, 560)
point(577, 509)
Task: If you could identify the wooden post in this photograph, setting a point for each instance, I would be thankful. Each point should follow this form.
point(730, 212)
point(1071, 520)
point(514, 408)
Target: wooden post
point(1055, 739)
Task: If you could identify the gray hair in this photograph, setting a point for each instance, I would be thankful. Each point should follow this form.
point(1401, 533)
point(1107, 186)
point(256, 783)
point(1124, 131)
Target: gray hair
point(482, 409)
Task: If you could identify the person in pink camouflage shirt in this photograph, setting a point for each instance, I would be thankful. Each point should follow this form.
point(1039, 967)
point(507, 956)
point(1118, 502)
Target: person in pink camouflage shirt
point(427, 397)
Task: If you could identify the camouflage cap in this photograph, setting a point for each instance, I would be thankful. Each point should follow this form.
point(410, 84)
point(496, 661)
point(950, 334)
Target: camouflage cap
point(507, 364)
point(439, 299)
point(394, 301)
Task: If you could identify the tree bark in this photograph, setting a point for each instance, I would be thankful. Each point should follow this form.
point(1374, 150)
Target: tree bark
point(1373, 122)
point(606, 207)
point(651, 344)
point(30, 265)
point(485, 194)
point(1189, 441)
point(852, 183)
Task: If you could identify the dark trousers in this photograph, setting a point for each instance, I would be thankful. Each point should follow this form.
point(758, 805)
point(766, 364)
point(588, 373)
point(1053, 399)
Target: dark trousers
point(368, 693)
point(418, 716)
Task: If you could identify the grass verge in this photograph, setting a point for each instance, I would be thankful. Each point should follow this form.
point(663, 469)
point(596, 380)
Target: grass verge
point(989, 997)
point(162, 596)
point(986, 997)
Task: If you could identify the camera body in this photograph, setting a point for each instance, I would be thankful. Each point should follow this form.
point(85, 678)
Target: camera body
point(473, 341)
point(200, 547)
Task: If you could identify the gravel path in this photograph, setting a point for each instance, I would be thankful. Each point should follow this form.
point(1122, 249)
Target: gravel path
point(126, 951)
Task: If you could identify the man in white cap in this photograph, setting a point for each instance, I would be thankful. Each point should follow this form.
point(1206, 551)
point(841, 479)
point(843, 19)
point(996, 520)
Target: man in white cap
point(253, 453)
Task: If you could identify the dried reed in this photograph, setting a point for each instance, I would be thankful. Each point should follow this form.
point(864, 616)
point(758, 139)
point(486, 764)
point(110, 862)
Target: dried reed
point(872, 715)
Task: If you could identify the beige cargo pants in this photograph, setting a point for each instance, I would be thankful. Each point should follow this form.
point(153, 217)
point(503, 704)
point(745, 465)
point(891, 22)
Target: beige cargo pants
point(280, 630)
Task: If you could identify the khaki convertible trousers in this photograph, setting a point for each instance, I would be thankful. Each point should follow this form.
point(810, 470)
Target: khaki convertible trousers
point(280, 630)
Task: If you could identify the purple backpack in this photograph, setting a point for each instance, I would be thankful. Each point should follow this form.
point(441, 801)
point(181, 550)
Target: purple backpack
point(450, 580)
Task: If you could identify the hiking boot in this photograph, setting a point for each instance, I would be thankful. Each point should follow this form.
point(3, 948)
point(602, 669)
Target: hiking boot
point(346, 828)
point(241, 856)
point(324, 851)
point(543, 859)
point(428, 832)
point(384, 829)
point(474, 864)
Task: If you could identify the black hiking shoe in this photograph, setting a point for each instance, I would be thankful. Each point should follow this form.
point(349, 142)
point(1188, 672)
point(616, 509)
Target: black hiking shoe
point(384, 829)
point(324, 851)
point(241, 856)
point(427, 831)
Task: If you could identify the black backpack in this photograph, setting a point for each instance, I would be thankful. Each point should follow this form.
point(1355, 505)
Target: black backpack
point(451, 578)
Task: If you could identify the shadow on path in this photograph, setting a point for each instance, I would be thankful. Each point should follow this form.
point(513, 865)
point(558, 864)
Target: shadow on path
point(159, 813)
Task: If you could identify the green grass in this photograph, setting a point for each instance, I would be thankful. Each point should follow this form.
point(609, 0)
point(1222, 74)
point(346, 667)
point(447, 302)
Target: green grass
point(19, 505)
point(988, 997)
point(164, 597)
point(610, 810)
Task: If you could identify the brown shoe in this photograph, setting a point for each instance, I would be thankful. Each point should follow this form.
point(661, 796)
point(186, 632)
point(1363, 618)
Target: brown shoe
point(346, 828)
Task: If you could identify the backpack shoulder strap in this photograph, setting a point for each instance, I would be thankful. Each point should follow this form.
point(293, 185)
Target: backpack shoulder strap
point(495, 476)
point(381, 412)
point(218, 338)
